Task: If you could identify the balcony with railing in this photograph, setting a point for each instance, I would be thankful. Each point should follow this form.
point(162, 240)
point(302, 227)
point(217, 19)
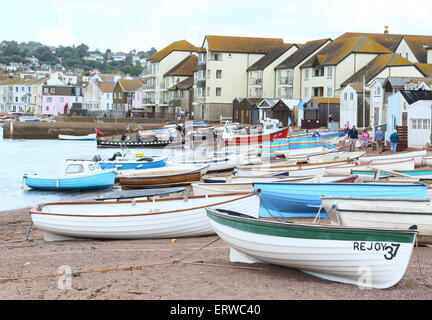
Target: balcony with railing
point(285, 81)
point(255, 81)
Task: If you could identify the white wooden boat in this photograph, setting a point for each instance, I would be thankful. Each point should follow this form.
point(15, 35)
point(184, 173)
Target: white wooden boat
point(136, 219)
point(335, 156)
point(214, 164)
point(91, 136)
point(301, 152)
point(382, 213)
point(247, 186)
point(406, 164)
point(417, 155)
point(250, 179)
point(372, 257)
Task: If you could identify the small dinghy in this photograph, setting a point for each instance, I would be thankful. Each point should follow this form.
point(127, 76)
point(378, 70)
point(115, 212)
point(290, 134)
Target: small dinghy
point(90, 137)
point(368, 257)
point(136, 219)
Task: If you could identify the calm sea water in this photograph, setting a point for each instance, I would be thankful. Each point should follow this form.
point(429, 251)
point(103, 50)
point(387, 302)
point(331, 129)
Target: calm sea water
point(47, 157)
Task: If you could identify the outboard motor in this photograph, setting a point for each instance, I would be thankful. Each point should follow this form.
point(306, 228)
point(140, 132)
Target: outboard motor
point(96, 158)
point(115, 155)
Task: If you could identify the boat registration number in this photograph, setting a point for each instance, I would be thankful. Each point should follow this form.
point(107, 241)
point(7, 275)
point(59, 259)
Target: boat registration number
point(389, 249)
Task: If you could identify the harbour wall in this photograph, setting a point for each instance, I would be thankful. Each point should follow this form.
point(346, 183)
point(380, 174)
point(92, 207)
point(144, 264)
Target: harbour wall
point(51, 130)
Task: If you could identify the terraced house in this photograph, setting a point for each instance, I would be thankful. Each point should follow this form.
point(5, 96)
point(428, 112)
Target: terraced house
point(222, 72)
point(288, 74)
point(128, 95)
point(158, 65)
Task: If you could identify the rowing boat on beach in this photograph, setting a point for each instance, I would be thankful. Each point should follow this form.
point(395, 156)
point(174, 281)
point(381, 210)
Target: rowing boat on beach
point(341, 254)
point(417, 155)
point(404, 164)
point(136, 219)
point(303, 199)
point(382, 213)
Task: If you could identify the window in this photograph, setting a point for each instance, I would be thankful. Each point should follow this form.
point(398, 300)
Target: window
point(329, 72)
point(45, 90)
point(52, 90)
point(91, 167)
point(120, 95)
point(377, 91)
point(16, 99)
point(306, 74)
point(47, 108)
point(16, 89)
point(216, 56)
point(115, 95)
point(329, 91)
point(218, 92)
point(74, 168)
point(319, 72)
point(218, 74)
point(306, 92)
point(351, 96)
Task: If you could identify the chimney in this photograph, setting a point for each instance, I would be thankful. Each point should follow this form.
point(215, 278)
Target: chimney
point(386, 30)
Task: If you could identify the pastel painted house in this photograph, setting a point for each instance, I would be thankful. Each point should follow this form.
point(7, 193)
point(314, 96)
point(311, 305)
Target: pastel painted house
point(403, 110)
point(58, 100)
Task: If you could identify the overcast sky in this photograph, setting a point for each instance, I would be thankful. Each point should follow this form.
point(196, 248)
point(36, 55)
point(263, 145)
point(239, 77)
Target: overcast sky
point(123, 25)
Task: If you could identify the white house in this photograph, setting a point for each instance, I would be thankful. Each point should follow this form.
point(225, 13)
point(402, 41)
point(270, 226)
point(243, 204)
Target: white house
point(419, 124)
point(352, 106)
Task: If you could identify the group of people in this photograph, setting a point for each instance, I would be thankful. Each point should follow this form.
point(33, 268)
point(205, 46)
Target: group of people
point(362, 141)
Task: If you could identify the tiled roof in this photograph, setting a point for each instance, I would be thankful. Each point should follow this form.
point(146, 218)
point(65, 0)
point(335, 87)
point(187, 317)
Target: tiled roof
point(418, 45)
point(412, 96)
point(400, 82)
point(243, 44)
point(181, 45)
point(302, 53)
point(375, 66)
point(340, 48)
point(425, 68)
point(185, 67)
point(390, 41)
point(271, 56)
point(130, 85)
point(107, 86)
point(183, 85)
point(326, 100)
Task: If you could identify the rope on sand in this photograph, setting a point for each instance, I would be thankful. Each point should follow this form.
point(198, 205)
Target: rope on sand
point(137, 267)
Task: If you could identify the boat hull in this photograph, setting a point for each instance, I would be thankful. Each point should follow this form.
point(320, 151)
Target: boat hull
point(90, 137)
point(365, 257)
point(162, 218)
point(132, 165)
point(304, 199)
point(100, 181)
point(382, 213)
point(136, 144)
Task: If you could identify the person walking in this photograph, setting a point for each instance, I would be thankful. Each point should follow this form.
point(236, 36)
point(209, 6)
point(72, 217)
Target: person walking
point(379, 138)
point(394, 139)
point(353, 137)
point(365, 139)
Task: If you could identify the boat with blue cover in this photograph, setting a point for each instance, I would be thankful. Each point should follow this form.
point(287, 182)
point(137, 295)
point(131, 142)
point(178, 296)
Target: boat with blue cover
point(79, 175)
point(303, 199)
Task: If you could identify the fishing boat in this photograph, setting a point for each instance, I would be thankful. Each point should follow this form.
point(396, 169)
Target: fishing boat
point(368, 257)
point(417, 155)
point(91, 137)
point(79, 175)
point(169, 176)
point(270, 131)
point(136, 219)
point(398, 213)
point(101, 143)
point(303, 199)
point(404, 164)
point(122, 162)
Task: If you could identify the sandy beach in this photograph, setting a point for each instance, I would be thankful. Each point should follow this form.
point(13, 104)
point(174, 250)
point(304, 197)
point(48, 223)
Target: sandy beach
point(152, 270)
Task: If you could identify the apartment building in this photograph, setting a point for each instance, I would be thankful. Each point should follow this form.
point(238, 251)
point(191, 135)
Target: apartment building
point(222, 72)
point(158, 65)
point(288, 73)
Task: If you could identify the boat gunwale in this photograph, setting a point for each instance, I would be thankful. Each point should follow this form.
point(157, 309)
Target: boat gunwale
point(311, 227)
point(38, 209)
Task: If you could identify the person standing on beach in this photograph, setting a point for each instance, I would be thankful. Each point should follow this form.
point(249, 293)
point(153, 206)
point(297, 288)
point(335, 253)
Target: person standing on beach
point(365, 138)
point(394, 139)
point(379, 137)
point(353, 136)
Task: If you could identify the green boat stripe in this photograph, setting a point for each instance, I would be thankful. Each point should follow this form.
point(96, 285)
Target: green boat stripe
point(312, 232)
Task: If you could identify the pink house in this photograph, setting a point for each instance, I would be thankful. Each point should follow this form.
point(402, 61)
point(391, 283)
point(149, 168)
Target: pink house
point(59, 99)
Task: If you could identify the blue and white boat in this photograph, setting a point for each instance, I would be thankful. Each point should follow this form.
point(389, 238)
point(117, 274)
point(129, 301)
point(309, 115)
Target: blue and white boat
point(120, 162)
point(79, 175)
point(303, 199)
